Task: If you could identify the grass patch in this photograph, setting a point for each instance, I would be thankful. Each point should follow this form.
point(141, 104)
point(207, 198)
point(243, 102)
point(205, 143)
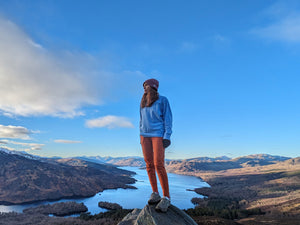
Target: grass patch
point(227, 208)
point(112, 214)
point(293, 173)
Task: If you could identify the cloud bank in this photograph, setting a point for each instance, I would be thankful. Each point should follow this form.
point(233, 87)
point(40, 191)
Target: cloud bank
point(28, 146)
point(286, 30)
point(109, 122)
point(284, 23)
point(14, 132)
point(35, 81)
point(67, 141)
point(11, 145)
point(17, 132)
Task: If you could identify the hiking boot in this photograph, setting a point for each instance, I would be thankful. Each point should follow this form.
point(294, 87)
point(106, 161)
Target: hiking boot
point(163, 205)
point(154, 198)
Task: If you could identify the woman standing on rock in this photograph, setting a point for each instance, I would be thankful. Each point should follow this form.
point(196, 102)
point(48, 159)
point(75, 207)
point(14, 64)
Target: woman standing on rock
point(155, 132)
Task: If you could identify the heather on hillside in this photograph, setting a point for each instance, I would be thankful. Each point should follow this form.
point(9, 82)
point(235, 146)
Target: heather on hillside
point(27, 180)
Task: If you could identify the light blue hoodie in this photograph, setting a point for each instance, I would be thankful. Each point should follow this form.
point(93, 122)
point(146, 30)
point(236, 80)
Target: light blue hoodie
point(156, 120)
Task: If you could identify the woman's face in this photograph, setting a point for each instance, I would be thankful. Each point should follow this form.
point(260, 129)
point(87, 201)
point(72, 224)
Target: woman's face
point(146, 88)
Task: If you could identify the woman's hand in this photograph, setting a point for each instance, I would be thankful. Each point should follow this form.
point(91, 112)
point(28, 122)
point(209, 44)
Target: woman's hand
point(166, 143)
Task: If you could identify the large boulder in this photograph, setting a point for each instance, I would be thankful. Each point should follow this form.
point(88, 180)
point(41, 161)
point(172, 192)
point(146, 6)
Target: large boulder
point(149, 216)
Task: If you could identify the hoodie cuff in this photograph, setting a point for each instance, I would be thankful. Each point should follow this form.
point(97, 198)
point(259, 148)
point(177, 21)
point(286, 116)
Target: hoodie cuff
point(167, 136)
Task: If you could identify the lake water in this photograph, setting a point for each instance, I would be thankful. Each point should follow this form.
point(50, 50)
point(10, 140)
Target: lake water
point(133, 198)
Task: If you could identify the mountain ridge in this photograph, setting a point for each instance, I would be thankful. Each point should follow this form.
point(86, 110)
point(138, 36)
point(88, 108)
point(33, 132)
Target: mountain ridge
point(254, 159)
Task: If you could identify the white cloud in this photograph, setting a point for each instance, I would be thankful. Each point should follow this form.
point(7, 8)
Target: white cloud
point(67, 141)
point(3, 142)
point(18, 132)
point(11, 145)
point(7, 148)
point(28, 146)
point(188, 46)
point(286, 30)
point(14, 132)
point(283, 22)
point(35, 81)
point(109, 122)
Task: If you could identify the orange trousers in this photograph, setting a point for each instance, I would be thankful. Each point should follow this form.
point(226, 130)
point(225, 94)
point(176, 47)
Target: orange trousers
point(154, 156)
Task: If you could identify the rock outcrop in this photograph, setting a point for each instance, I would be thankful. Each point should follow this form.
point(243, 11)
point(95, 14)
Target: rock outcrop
point(149, 216)
point(109, 205)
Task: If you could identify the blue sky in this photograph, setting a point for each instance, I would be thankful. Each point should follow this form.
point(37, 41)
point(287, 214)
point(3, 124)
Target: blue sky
point(71, 75)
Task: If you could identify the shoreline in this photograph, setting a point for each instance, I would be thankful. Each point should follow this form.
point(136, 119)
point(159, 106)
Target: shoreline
point(75, 197)
point(26, 204)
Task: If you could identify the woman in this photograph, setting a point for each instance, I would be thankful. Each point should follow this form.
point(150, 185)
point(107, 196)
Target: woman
point(155, 132)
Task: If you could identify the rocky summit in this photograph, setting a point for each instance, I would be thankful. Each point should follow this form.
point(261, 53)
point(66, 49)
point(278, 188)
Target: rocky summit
point(149, 216)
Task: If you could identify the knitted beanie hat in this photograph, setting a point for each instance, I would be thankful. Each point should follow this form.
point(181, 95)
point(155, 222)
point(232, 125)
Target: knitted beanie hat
point(152, 83)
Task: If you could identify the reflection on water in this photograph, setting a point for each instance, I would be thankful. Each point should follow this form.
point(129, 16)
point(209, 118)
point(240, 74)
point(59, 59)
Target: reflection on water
point(133, 198)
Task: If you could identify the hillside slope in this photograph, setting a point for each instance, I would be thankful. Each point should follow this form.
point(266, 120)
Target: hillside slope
point(27, 180)
point(195, 165)
point(271, 191)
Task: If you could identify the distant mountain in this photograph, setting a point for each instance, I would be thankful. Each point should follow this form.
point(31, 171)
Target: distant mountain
point(139, 161)
point(290, 162)
point(100, 166)
point(23, 179)
point(259, 160)
point(118, 161)
point(22, 153)
point(214, 164)
point(194, 164)
point(208, 159)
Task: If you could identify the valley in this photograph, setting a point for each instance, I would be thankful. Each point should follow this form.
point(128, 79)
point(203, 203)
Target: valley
point(255, 189)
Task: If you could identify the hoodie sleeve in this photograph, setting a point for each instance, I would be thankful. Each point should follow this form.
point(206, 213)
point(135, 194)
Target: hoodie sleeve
point(167, 119)
point(140, 119)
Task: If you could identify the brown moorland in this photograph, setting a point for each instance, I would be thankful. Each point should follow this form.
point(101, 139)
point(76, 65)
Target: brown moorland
point(259, 194)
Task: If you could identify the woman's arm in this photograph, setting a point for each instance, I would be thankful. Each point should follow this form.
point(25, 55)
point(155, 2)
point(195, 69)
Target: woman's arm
point(167, 119)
